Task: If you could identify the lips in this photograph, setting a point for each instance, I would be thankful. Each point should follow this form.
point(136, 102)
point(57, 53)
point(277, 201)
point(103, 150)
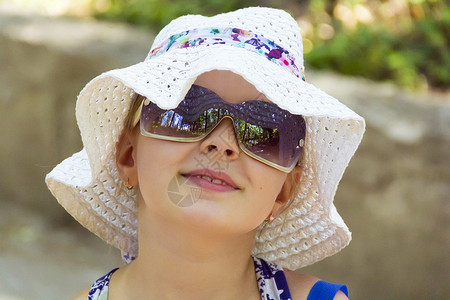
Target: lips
point(216, 178)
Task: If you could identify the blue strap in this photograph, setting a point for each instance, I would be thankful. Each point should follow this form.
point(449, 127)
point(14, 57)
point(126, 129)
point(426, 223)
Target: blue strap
point(326, 291)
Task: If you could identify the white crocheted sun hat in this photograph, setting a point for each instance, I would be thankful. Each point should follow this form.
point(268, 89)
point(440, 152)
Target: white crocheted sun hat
point(87, 184)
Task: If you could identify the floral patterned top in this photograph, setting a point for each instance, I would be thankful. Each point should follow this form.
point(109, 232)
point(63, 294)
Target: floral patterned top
point(99, 290)
point(271, 280)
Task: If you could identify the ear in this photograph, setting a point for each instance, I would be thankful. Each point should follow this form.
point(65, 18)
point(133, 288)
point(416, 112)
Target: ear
point(126, 158)
point(287, 190)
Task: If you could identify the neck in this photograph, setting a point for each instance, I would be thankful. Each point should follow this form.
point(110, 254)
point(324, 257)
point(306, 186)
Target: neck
point(180, 262)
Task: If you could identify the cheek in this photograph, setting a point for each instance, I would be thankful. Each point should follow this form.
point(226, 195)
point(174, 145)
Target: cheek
point(152, 182)
point(267, 180)
point(157, 164)
point(265, 189)
point(161, 156)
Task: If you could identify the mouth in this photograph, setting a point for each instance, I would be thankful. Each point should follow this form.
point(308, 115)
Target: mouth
point(212, 180)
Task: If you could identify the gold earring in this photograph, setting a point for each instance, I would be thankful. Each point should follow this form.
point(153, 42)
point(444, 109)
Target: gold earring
point(270, 219)
point(127, 184)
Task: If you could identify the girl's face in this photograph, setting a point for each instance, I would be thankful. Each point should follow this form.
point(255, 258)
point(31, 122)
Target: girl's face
point(174, 178)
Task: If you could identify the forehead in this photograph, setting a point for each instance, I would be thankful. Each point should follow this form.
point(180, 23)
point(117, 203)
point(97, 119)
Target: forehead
point(230, 86)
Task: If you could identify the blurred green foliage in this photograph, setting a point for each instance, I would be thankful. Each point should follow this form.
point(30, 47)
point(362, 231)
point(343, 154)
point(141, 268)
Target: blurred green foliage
point(414, 56)
point(158, 13)
point(406, 41)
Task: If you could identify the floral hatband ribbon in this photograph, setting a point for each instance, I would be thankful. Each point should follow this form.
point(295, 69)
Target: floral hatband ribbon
point(234, 37)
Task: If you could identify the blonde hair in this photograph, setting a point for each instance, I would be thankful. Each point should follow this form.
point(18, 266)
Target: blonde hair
point(136, 101)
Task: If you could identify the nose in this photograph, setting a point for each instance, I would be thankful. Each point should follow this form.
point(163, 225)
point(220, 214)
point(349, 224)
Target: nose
point(221, 141)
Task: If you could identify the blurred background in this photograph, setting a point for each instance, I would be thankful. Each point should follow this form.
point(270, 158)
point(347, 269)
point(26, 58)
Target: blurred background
point(387, 60)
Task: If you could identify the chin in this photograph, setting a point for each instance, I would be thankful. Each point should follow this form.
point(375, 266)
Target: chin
point(206, 216)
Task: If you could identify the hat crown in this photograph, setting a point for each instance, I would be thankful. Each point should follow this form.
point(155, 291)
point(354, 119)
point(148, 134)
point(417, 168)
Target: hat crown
point(275, 25)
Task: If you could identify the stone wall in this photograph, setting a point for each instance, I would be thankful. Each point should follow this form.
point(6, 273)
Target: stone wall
point(394, 196)
point(44, 65)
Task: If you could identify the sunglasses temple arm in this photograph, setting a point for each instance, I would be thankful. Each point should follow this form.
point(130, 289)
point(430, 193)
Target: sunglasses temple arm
point(137, 115)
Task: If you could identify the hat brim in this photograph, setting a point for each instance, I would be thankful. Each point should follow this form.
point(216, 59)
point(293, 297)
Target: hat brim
point(309, 230)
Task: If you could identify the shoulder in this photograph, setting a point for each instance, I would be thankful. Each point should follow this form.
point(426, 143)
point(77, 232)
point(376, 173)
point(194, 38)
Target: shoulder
point(300, 285)
point(82, 296)
point(340, 296)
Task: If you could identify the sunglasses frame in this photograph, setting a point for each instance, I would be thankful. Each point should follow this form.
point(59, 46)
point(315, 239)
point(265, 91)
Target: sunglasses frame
point(143, 132)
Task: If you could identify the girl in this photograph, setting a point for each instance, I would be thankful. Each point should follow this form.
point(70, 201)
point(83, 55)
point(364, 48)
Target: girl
point(212, 165)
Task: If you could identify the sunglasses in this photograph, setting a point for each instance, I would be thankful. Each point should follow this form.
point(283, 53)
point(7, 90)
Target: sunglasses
point(264, 131)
